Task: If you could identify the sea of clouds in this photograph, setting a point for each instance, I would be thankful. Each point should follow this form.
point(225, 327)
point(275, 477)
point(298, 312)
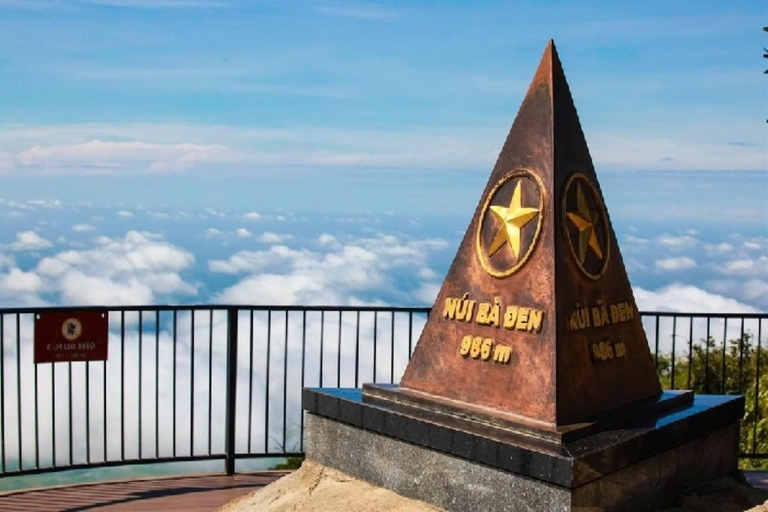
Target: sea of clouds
point(56, 253)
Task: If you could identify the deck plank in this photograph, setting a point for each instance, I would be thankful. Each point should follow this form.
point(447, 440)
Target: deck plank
point(197, 493)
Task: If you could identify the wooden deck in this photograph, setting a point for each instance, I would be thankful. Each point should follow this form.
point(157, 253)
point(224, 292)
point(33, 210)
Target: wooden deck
point(195, 493)
point(184, 493)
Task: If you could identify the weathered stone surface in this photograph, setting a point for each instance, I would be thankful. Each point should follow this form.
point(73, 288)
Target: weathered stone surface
point(427, 475)
point(570, 464)
point(454, 483)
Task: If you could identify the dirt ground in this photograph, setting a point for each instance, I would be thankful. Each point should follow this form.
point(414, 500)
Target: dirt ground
point(317, 488)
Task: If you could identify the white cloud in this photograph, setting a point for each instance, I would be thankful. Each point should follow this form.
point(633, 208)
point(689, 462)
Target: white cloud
point(252, 216)
point(746, 266)
point(243, 233)
point(698, 152)
point(719, 248)
point(110, 156)
point(634, 265)
point(29, 241)
point(677, 243)
point(281, 289)
point(326, 239)
point(427, 293)
point(79, 288)
point(758, 243)
point(112, 148)
point(426, 273)
point(7, 261)
point(687, 299)
point(256, 261)
point(125, 214)
point(83, 228)
point(42, 203)
point(212, 233)
point(684, 298)
point(754, 291)
point(20, 288)
point(273, 238)
point(19, 282)
point(675, 264)
point(338, 276)
point(135, 269)
point(214, 212)
point(635, 240)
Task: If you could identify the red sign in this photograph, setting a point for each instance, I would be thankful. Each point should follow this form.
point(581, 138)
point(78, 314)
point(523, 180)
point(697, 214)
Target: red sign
point(71, 336)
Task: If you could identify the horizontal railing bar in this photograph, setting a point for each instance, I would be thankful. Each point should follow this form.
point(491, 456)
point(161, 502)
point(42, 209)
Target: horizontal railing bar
point(275, 455)
point(670, 314)
point(113, 463)
point(385, 309)
point(213, 307)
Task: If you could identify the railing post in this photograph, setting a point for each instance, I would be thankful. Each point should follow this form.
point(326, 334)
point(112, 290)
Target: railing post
point(231, 389)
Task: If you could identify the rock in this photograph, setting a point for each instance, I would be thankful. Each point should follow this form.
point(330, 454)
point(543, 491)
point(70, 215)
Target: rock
point(317, 488)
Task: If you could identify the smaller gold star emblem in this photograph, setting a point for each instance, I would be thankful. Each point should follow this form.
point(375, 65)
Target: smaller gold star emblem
point(510, 221)
point(584, 220)
point(585, 225)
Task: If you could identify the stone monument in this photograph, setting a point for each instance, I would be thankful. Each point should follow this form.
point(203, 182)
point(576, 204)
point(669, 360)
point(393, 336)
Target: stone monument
point(532, 386)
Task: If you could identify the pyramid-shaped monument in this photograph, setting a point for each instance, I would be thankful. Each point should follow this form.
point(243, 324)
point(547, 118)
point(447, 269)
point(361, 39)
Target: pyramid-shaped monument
point(536, 319)
point(532, 386)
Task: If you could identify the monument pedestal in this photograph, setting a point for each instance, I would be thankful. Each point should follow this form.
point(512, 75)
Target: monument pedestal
point(642, 464)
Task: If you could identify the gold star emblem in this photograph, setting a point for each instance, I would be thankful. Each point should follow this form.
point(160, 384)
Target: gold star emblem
point(584, 220)
point(515, 225)
point(510, 221)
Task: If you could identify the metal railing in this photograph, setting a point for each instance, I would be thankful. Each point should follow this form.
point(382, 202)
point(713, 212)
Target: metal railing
point(194, 383)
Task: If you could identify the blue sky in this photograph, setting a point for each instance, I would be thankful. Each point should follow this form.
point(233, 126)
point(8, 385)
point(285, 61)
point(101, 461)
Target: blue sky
point(125, 123)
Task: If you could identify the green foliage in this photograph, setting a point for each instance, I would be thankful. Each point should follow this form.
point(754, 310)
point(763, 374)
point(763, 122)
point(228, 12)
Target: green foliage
point(290, 464)
point(733, 369)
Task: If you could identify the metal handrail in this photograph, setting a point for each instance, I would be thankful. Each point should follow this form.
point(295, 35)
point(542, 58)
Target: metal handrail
point(240, 347)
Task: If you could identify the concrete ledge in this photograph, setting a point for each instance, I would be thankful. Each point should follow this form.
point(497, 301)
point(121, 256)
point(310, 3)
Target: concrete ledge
point(456, 483)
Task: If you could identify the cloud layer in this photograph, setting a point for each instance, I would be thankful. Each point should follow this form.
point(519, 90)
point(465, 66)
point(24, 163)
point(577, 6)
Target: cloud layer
point(139, 268)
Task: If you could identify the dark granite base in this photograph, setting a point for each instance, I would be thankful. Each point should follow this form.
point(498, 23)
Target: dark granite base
point(456, 484)
point(638, 465)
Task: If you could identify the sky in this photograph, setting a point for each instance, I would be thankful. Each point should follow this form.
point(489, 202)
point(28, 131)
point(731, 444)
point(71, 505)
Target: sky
point(263, 152)
point(220, 150)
